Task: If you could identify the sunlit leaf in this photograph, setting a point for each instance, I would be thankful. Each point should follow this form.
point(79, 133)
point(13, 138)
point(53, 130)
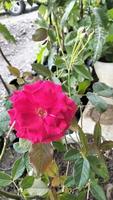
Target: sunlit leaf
point(38, 188)
point(27, 182)
point(14, 71)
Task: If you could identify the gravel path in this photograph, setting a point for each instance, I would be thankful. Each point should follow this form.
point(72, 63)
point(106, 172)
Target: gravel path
point(23, 53)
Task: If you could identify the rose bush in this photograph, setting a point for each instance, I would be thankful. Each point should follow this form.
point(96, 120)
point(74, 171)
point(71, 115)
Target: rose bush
point(42, 112)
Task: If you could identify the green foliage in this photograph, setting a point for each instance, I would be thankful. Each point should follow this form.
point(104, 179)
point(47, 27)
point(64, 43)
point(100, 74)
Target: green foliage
point(99, 167)
point(97, 101)
point(70, 33)
point(40, 35)
point(97, 134)
point(39, 188)
point(18, 168)
point(22, 146)
point(42, 70)
point(97, 191)
point(72, 155)
point(84, 72)
point(27, 182)
point(81, 172)
point(67, 12)
point(59, 146)
point(103, 89)
point(6, 34)
point(5, 179)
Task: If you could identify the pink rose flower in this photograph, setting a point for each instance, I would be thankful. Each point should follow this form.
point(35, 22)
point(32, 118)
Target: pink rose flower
point(42, 112)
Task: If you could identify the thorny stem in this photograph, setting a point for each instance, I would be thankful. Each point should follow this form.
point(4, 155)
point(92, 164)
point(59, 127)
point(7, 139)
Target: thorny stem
point(5, 85)
point(5, 141)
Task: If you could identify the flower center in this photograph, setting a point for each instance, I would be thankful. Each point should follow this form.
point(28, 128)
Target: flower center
point(41, 112)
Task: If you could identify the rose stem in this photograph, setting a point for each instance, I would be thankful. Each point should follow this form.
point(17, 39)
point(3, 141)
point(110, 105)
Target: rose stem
point(5, 141)
point(7, 61)
point(5, 85)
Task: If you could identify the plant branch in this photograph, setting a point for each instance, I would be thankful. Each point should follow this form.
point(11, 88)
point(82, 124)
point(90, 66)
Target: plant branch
point(10, 195)
point(81, 9)
point(5, 85)
point(3, 55)
point(5, 141)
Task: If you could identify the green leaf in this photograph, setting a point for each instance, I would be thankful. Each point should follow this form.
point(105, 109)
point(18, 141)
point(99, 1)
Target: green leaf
point(40, 35)
point(70, 181)
point(97, 134)
point(41, 69)
point(40, 54)
point(27, 182)
point(65, 196)
point(38, 188)
point(52, 35)
point(100, 32)
point(4, 122)
point(22, 146)
point(103, 89)
point(83, 86)
point(59, 146)
point(98, 165)
point(5, 179)
point(110, 13)
point(97, 101)
point(83, 140)
point(14, 71)
point(5, 32)
point(81, 172)
point(83, 71)
point(81, 196)
point(106, 145)
point(42, 23)
point(72, 155)
point(7, 104)
point(97, 191)
point(18, 168)
point(67, 12)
